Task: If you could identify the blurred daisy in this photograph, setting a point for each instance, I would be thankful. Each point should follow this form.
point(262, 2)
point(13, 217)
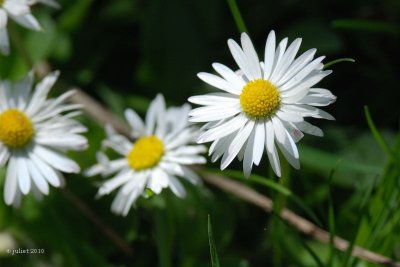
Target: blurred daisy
point(263, 104)
point(34, 135)
point(20, 12)
point(160, 152)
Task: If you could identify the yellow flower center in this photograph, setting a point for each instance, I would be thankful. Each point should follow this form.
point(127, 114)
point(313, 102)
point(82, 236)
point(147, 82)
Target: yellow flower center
point(16, 130)
point(1, 2)
point(146, 153)
point(260, 99)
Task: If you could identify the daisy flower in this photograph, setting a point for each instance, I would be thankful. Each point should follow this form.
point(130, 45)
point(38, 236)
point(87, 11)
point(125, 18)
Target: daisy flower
point(263, 104)
point(34, 134)
point(161, 151)
point(20, 12)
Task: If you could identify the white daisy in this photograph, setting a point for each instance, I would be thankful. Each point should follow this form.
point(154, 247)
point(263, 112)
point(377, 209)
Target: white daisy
point(34, 136)
point(262, 104)
point(161, 151)
point(20, 12)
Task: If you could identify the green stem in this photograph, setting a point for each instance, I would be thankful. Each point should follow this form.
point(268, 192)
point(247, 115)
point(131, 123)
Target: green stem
point(237, 16)
point(284, 181)
point(333, 62)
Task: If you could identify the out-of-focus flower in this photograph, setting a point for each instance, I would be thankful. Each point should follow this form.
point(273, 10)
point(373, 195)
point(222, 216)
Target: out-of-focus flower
point(161, 152)
point(34, 134)
point(20, 12)
point(262, 104)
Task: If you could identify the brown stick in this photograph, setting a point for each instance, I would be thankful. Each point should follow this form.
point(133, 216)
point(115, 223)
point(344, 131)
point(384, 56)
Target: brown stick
point(247, 194)
point(100, 114)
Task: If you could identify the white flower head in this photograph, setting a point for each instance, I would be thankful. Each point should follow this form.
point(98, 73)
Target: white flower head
point(34, 134)
point(263, 104)
point(161, 151)
point(20, 12)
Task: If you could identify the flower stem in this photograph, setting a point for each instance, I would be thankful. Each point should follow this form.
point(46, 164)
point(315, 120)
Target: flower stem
point(237, 16)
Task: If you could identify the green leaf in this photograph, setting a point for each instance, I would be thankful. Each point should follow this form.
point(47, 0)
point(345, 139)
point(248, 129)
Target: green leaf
point(213, 249)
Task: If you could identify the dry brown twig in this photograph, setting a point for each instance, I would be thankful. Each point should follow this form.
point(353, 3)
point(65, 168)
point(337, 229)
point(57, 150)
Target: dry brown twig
point(102, 115)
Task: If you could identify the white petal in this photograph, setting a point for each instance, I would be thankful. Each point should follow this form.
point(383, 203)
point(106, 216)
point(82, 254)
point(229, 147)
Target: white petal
point(221, 146)
point(205, 114)
point(309, 111)
point(271, 149)
point(230, 76)
point(289, 116)
point(121, 178)
point(278, 55)
point(27, 21)
point(40, 93)
point(297, 65)
point(3, 155)
point(11, 186)
point(288, 152)
point(318, 101)
point(237, 144)
point(259, 140)
point(251, 55)
point(241, 59)
point(161, 122)
point(269, 55)
point(286, 61)
point(293, 130)
point(214, 99)
point(24, 179)
point(224, 129)
point(49, 173)
point(135, 122)
point(187, 160)
point(190, 175)
point(302, 75)
point(16, 8)
point(152, 114)
point(38, 178)
point(279, 129)
point(158, 181)
point(56, 160)
point(187, 150)
point(218, 82)
point(309, 128)
point(69, 141)
point(248, 154)
point(4, 40)
point(176, 186)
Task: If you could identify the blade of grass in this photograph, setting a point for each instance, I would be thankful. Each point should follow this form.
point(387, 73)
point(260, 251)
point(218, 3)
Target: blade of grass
point(312, 253)
point(378, 137)
point(331, 217)
point(363, 209)
point(213, 249)
point(237, 16)
point(339, 60)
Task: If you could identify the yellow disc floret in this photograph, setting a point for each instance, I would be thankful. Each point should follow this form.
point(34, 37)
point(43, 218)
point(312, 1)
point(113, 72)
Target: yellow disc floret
point(260, 99)
point(1, 2)
point(16, 130)
point(146, 153)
